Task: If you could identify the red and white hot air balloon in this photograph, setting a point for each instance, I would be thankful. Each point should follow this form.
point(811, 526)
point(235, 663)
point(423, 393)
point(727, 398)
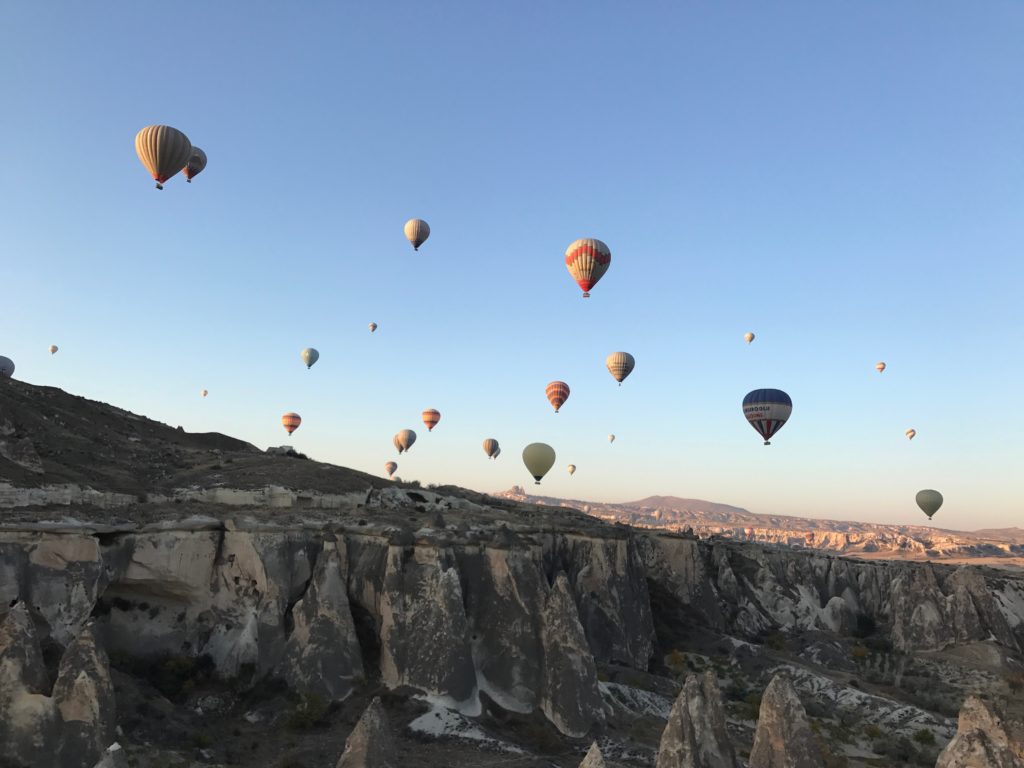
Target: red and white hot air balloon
point(430, 418)
point(558, 393)
point(290, 422)
point(587, 260)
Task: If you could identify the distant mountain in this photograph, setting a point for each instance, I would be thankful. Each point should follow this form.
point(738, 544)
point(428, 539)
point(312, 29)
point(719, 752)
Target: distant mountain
point(708, 518)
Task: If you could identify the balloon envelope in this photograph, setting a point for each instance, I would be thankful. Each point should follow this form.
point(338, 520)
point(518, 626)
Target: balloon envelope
point(206, 392)
point(163, 150)
point(538, 458)
point(195, 165)
point(558, 393)
point(390, 467)
point(620, 365)
point(416, 232)
point(910, 433)
point(373, 327)
point(290, 422)
point(929, 501)
point(748, 337)
point(6, 367)
point(587, 260)
point(403, 440)
point(430, 417)
point(611, 438)
point(572, 469)
point(491, 447)
point(879, 367)
point(309, 356)
point(767, 410)
point(53, 349)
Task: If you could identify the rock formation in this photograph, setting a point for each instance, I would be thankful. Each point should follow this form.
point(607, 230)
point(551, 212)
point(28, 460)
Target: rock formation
point(113, 757)
point(784, 738)
point(84, 695)
point(984, 739)
point(695, 735)
point(370, 743)
point(593, 758)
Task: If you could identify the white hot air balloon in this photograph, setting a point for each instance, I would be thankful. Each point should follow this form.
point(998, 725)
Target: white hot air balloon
point(309, 356)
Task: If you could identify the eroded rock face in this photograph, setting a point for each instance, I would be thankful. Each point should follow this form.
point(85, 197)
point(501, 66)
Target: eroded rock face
point(113, 757)
point(29, 721)
point(784, 738)
point(593, 758)
point(370, 743)
point(84, 695)
point(695, 735)
point(322, 655)
point(570, 696)
point(984, 739)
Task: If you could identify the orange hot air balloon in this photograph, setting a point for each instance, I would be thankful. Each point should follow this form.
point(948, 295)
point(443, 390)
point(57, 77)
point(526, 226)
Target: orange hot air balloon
point(491, 447)
point(291, 421)
point(430, 417)
point(558, 393)
point(587, 260)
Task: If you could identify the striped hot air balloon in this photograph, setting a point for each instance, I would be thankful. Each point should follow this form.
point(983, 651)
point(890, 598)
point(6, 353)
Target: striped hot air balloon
point(195, 165)
point(390, 467)
point(403, 440)
point(558, 393)
point(163, 150)
point(620, 365)
point(430, 417)
point(290, 422)
point(416, 232)
point(491, 447)
point(767, 410)
point(587, 260)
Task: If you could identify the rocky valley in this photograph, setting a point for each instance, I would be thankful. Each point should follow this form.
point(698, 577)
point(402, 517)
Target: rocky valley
point(175, 599)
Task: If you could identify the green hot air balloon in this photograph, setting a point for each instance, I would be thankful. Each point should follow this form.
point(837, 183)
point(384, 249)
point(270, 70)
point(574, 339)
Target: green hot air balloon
point(929, 501)
point(538, 458)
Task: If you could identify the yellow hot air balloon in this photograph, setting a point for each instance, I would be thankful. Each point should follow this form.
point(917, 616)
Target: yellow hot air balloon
point(491, 447)
point(620, 365)
point(929, 501)
point(430, 418)
point(748, 337)
point(373, 327)
point(290, 422)
point(53, 349)
point(403, 440)
point(879, 367)
point(390, 467)
point(163, 150)
point(195, 165)
point(587, 260)
point(910, 433)
point(572, 469)
point(416, 232)
point(206, 392)
point(538, 458)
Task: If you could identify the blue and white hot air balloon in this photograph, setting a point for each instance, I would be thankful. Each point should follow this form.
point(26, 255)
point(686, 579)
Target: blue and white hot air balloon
point(767, 410)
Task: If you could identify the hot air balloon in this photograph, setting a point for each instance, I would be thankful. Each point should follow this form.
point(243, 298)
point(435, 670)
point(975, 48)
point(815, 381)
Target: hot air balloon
point(430, 417)
point(558, 393)
point(53, 349)
point(195, 165)
point(748, 337)
point(390, 467)
point(6, 367)
point(910, 433)
point(416, 232)
point(929, 501)
point(620, 365)
point(163, 150)
point(497, 453)
point(373, 327)
point(309, 356)
point(205, 392)
point(538, 458)
point(290, 422)
point(611, 438)
point(572, 470)
point(491, 447)
point(767, 410)
point(879, 367)
point(587, 260)
point(403, 440)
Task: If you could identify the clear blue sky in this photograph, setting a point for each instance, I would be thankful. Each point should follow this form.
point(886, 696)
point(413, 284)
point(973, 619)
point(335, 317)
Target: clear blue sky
point(844, 179)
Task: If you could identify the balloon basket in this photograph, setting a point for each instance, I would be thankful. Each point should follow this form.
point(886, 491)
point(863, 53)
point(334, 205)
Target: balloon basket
point(586, 294)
